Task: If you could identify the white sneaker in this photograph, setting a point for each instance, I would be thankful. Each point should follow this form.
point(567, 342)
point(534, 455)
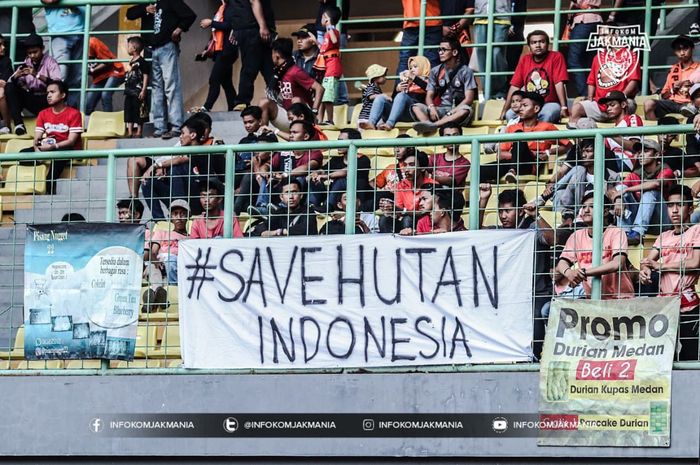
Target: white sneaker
point(4, 130)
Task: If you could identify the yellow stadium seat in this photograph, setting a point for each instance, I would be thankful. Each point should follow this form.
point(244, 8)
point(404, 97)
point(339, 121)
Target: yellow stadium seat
point(135, 364)
point(17, 145)
point(491, 219)
point(331, 134)
point(173, 363)
point(146, 341)
point(321, 220)
point(18, 347)
point(25, 180)
point(340, 116)
point(491, 115)
point(355, 115)
point(690, 181)
point(640, 99)
point(83, 364)
point(379, 163)
point(465, 149)
point(105, 125)
point(37, 365)
point(635, 253)
point(169, 343)
point(171, 309)
point(377, 134)
point(533, 189)
point(164, 226)
point(551, 217)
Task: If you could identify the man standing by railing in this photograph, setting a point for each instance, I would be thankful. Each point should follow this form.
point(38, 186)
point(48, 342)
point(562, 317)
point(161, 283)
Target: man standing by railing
point(68, 23)
point(501, 24)
point(411, 32)
point(171, 19)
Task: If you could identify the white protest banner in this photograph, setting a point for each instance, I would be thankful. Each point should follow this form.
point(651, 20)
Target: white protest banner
point(356, 301)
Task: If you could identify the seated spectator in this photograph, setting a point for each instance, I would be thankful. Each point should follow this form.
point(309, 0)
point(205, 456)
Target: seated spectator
point(298, 112)
point(446, 215)
point(453, 83)
point(73, 218)
point(335, 173)
point(410, 90)
point(26, 88)
point(676, 91)
point(292, 217)
point(570, 189)
point(369, 114)
point(210, 224)
point(5, 75)
point(616, 283)
point(389, 177)
point(642, 191)
point(544, 72)
point(522, 157)
point(601, 82)
point(450, 168)
point(104, 75)
point(425, 205)
point(164, 244)
point(401, 211)
point(57, 128)
point(169, 177)
point(252, 162)
point(676, 256)
point(617, 108)
point(300, 163)
point(130, 211)
point(289, 85)
point(307, 49)
point(515, 213)
point(684, 165)
point(365, 222)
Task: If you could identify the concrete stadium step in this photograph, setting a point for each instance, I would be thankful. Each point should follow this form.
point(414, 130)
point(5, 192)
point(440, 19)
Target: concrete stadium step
point(54, 207)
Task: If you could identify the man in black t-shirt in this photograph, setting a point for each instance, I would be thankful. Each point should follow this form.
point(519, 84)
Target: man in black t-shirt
point(291, 218)
point(254, 34)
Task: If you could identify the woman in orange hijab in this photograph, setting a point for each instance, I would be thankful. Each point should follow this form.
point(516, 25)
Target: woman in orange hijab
point(409, 91)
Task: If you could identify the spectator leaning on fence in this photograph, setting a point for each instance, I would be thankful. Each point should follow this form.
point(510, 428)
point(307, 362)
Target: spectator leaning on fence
point(210, 224)
point(104, 75)
point(171, 19)
point(676, 91)
point(542, 71)
point(27, 86)
point(453, 83)
point(676, 256)
point(575, 268)
point(68, 25)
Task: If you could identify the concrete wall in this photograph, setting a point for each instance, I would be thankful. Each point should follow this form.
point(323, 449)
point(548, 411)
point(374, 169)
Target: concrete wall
point(52, 415)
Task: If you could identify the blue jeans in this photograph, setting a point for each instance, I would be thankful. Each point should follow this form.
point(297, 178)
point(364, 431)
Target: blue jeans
point(105, 97)
point(69, 48)
point(171, 268)
point(649, 210)
point(400, 109)
point(578, 57)
point(499, 63)
point(167, 85)
point(173, 186)
point(433, 36)
point(550, 112)
point(381, 107)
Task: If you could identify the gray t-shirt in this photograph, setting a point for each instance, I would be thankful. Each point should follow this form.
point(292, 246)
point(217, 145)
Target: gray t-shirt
point(455, 85)
point(500, 6)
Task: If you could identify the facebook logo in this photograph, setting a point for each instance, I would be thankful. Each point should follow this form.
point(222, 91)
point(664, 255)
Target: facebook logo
point(96, 425)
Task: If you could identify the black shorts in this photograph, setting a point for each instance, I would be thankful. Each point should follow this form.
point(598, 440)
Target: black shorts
point(133, 110)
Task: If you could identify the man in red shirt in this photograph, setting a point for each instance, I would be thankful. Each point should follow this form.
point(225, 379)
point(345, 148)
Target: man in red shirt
point(290, 84)
point(104, 75)
point(58, 127)
point(642, 192)
point(544, 72)
point(522, 157)
point(602, 79)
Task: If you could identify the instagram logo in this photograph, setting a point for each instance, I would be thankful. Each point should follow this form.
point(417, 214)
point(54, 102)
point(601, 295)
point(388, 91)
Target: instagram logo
point(368, 424)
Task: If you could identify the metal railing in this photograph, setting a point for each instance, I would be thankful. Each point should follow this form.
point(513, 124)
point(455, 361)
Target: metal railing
point(353, 147)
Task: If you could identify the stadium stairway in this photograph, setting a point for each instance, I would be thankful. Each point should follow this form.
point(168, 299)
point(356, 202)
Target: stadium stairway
point(84, 193)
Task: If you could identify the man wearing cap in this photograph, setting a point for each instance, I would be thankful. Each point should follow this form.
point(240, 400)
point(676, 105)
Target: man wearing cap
point(676, 91)
point(307, 49)
point(164, 243)
point(544, 72)
point(617, 109)
point(452, 81)
point(642, 192)
point(27, 86)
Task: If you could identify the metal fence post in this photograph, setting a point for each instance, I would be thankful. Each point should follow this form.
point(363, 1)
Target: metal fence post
point(474, 180)
point(339, 4)
point(351, 191)
point(111, 201)
point(598, 207)
point(421, 26)
point(557, 25)
point(229, 178)
point(489, 51)
point(84, 63)
point(13, 35)
point(647, 31)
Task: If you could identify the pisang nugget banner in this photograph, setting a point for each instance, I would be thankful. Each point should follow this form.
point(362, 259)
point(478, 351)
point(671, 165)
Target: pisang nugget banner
point(356, 301)
point(81, 290)
point(605, 375)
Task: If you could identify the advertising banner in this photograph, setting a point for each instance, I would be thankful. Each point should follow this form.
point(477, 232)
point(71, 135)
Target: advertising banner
point(81, 290)
point(356, 301)
point(605, 375)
